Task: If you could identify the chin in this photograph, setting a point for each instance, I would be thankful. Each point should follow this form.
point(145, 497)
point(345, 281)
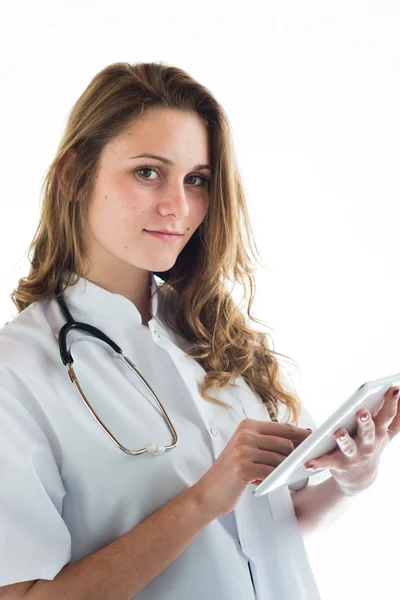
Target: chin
point(157, 266)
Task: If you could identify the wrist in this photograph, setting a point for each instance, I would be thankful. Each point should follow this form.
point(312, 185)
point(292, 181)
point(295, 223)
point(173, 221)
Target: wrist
point(202, 503)
point(345, 489)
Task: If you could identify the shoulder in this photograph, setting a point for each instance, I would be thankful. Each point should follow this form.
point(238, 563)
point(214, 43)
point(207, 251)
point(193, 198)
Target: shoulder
point(27, 335)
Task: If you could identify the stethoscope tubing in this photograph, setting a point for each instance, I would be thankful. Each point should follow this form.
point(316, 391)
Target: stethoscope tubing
point(67, 360)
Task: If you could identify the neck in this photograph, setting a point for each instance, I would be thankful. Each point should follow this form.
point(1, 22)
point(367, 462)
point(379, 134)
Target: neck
point(135, 287)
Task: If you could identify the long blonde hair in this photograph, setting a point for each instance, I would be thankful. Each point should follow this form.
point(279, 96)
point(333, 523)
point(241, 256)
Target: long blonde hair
point(219, 251)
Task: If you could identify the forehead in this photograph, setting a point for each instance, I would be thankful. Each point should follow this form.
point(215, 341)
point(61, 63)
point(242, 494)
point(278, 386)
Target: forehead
point(177, 135)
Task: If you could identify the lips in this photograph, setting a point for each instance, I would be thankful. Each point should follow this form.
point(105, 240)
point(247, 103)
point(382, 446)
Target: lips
point(166, 232)
point(167, 237)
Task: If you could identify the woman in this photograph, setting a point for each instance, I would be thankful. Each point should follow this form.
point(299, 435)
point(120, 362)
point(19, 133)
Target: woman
point(80, 517)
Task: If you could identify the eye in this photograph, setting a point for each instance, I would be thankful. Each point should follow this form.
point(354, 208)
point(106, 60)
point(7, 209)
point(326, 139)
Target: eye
point(145, 169)
point(204, 181)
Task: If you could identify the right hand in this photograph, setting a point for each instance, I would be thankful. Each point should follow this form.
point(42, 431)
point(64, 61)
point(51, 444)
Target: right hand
point(252, 453)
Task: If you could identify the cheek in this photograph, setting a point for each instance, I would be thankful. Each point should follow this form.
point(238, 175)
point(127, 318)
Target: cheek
point(200, 212)
point(198, 206)
point(113, 218)
point(126, 197)
point(118, 205)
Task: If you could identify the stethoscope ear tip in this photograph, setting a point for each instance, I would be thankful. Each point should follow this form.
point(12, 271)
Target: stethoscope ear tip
point(154, 449)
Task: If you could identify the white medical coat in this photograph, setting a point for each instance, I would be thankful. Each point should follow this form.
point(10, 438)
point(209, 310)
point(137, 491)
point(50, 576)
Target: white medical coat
point(67, 491)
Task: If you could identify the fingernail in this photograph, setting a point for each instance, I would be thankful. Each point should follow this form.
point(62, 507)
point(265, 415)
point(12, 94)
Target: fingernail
point(395, 393)
point(309, 429)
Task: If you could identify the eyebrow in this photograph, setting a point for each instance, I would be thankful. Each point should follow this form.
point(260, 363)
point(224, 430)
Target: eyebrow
point(167, 161)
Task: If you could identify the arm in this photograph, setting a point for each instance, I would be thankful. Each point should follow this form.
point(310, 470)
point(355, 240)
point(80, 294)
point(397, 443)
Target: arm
point(124, 567)
point(320, 505)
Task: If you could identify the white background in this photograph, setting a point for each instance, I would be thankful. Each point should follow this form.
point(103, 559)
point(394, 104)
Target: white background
point(312, 92)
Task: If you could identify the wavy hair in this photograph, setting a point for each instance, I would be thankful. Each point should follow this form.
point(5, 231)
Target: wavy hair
point(218, 254)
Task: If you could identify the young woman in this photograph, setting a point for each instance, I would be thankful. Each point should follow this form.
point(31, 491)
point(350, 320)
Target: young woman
point(109, 491)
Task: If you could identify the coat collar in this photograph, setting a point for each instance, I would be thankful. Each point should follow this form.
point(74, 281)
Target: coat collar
point(96, 300)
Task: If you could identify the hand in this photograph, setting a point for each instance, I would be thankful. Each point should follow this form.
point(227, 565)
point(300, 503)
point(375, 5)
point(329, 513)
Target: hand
point(354, 465)
point(252, 453)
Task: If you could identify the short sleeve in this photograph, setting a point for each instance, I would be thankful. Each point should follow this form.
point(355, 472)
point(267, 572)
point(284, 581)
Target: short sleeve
point(35, 542)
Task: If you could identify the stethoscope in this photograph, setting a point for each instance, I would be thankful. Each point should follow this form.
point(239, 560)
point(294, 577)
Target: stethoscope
point(97, 334)
point(67, 359)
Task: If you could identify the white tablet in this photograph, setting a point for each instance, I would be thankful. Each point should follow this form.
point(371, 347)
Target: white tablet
point(322, 441)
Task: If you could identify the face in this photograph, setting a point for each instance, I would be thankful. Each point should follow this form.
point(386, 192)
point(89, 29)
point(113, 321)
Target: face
point(134, 195)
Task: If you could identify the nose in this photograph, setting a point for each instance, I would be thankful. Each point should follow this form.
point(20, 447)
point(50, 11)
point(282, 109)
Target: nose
point(175, 201)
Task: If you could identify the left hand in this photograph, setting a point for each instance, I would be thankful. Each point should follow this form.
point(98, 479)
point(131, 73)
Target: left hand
point(354, 465)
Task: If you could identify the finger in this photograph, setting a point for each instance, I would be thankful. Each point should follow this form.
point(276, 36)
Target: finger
point(258, 472)
point(387, 413)
point(266, 457)
point(284, 430)
point(394, 426)
point(272, 443)
point(297, 443)
point(347, 447)
point(346, 443)
point(365, 430)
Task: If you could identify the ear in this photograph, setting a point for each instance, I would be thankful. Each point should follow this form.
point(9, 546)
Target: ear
point(63, 168)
